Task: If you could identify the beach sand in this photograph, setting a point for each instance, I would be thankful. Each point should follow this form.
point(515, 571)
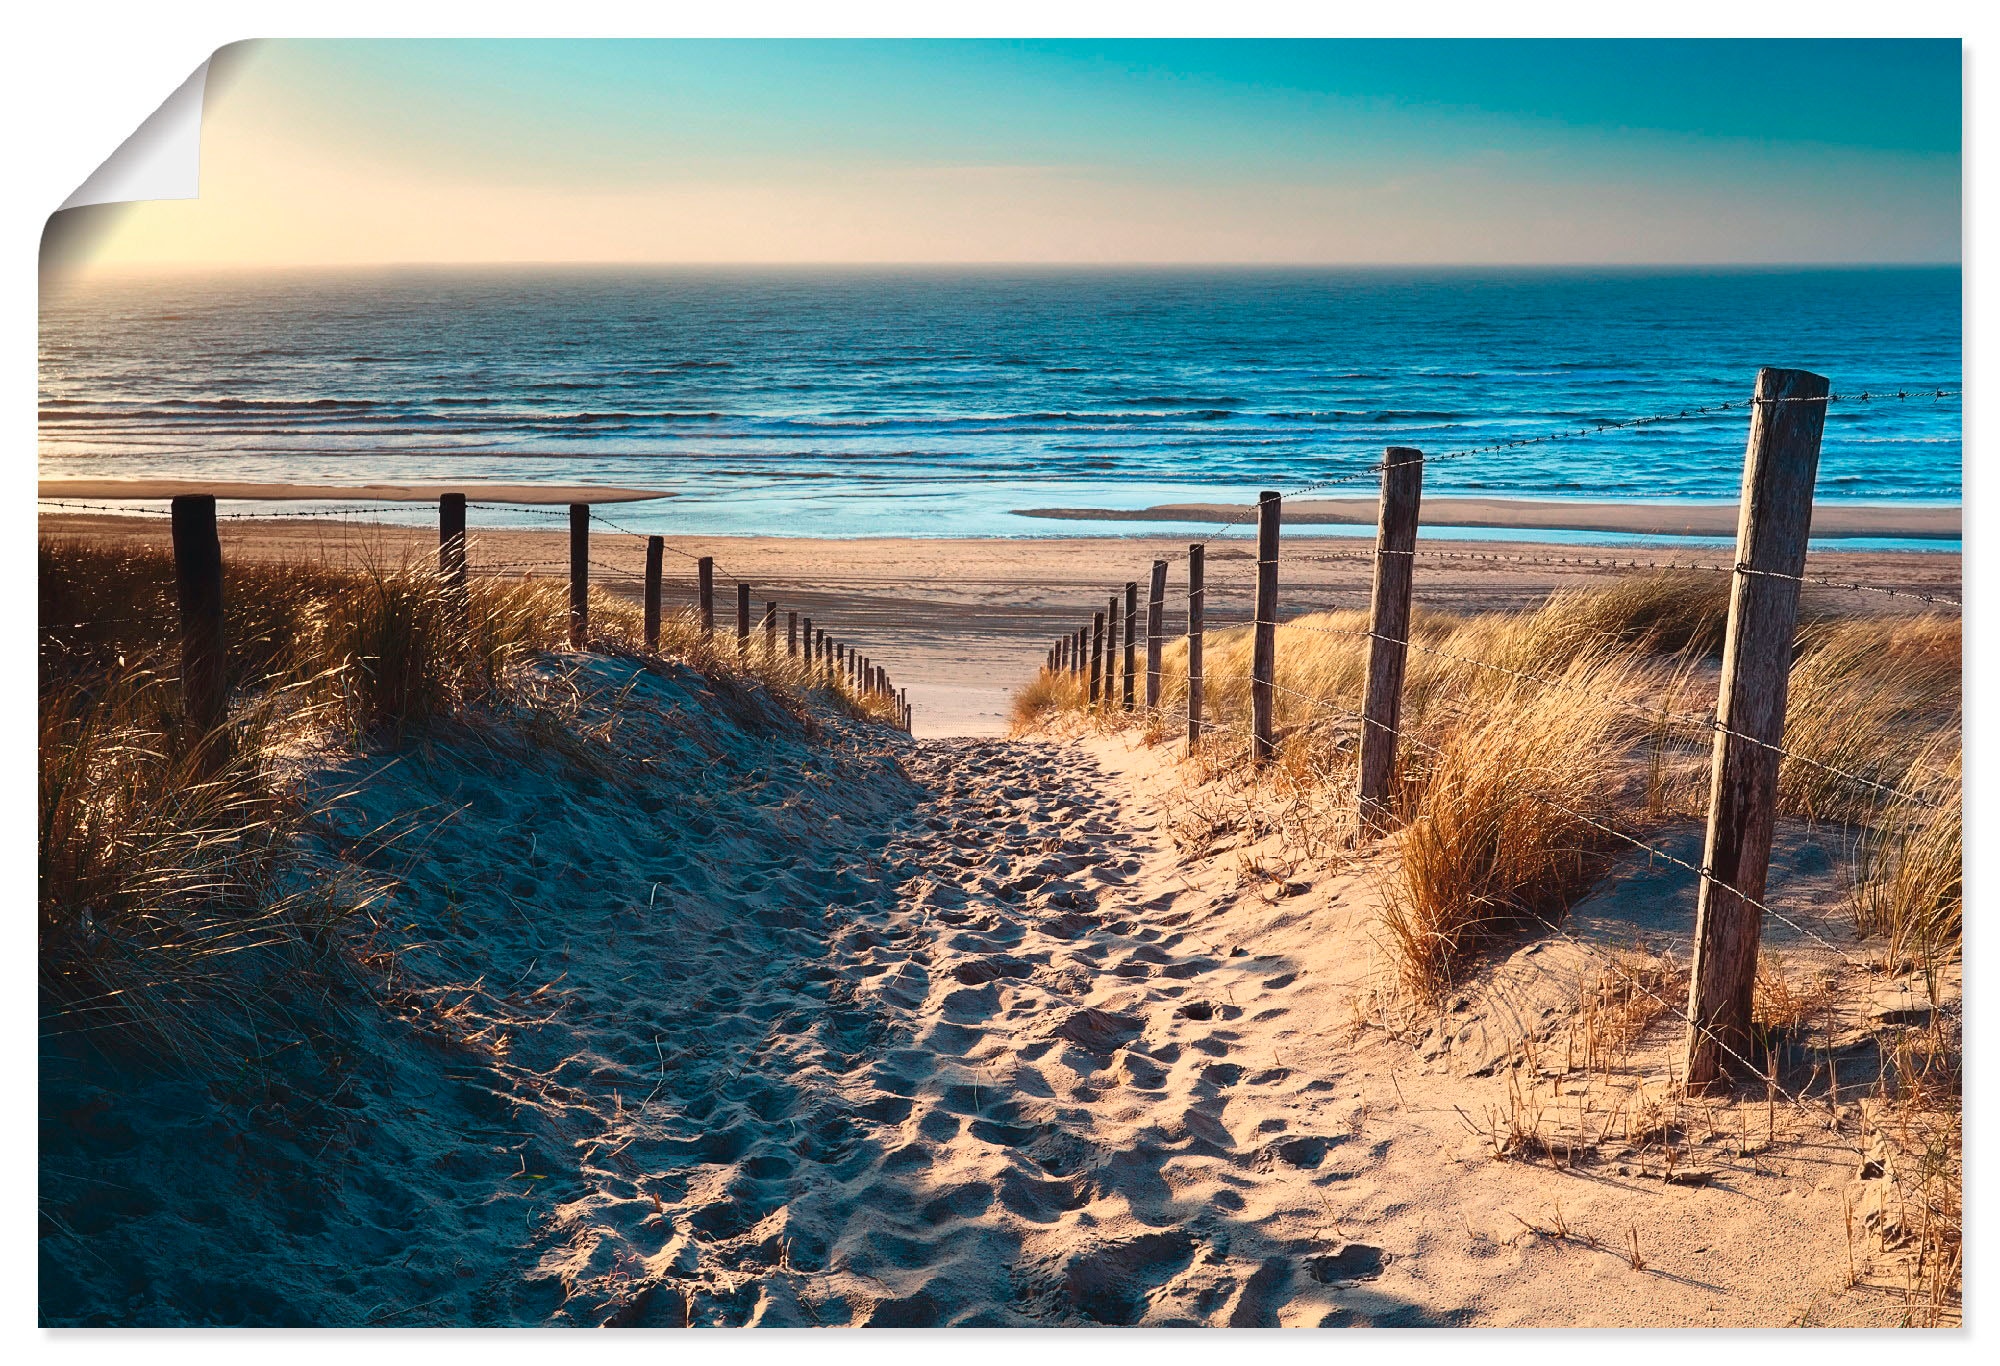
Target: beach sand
point(869, 1030)
point(962, 623)
point(1830, 520)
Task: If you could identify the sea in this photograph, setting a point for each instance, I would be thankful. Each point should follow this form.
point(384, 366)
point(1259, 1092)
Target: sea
point(948, 402)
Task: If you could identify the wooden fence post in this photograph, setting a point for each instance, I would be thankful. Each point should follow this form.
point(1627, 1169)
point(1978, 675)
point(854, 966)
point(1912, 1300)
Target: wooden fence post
point(1156, 625)
point(1111, 652)
point(579, 574)
point(656, 554)
point(742, 621)
point(791, 635)
point(1096, 654)
point(1131, 644)
point(770, 631)
point(806, 642)
point(198, 585)
point(1197, 553)
point(1773, 522)
point(1264, 653)
point(451, 550)
point(704, 573)
point(1388, 632)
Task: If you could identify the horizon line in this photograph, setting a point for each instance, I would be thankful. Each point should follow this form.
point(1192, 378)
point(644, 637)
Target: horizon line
point(221, 267)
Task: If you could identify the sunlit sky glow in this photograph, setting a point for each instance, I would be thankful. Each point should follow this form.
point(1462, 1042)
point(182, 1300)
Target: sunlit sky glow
point(1339, 152)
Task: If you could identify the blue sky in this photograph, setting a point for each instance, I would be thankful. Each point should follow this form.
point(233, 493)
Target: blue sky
point(1325, 152)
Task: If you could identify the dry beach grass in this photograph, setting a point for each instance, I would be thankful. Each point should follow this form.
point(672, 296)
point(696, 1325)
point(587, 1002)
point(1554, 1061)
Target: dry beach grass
point(519, 985)
point(1539, 745)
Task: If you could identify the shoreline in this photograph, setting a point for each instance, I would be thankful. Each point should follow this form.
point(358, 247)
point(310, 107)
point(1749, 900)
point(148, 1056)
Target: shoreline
point(1831, 521)
point(353, 493)
point(963, 622)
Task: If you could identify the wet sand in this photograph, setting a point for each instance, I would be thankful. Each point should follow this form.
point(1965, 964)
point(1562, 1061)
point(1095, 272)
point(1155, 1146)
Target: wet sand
point(962, 623)
point(360, 493)
point(1830, 520)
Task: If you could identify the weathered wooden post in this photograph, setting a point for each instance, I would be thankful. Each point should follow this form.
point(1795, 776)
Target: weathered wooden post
point(1156, 625)
point(806, 642)
point(198, 585)
point(704, 574)
point(1196, 591)
point(1111, 652)
point(1787, 416)
point(451, 552)
point(1264, 651)
point(1131, 644)
point(1388, 632)
point(742, 621)
point(791, 635)
point(656, 554)
point(770, 632)
point(579, 574)
point(1096, 654)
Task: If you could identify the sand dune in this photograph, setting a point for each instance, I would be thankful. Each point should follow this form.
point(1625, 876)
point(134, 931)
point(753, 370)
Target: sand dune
point(702, 1011)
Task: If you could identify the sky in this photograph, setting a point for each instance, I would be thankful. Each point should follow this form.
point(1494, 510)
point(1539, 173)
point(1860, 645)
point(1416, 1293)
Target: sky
point(1340, 152)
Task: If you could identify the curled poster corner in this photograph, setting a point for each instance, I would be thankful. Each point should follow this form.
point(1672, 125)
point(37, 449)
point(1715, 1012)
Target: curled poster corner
point(162, 158)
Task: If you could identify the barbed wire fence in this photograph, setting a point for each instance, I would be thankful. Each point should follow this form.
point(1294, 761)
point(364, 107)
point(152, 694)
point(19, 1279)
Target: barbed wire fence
point(823, 656)
point(1717, 1031)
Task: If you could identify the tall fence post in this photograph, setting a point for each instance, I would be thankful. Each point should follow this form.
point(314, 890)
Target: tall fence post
point(742, 621)
point(770, 631)
point(1096, 655)
point(656, 554)
point(1131, 643)
point(451, 550)
point(1197, 554)
point(1156, 625)
point(579, 574)
point(1388, 632)
point(791, 635)
point(1264, 653)
point(198, 585)
point(1787, 416)
point(704, 576)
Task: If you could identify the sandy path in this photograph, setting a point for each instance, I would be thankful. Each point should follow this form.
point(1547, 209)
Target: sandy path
point(1061, 1077)
point(701, 1012)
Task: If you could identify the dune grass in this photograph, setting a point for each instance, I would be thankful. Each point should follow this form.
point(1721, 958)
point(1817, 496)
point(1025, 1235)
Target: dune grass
point(1506, 781)
point(159, 868)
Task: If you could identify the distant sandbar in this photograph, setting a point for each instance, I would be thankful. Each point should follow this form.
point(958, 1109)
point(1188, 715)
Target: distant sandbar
point(359, 493)
point(1830, 520)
